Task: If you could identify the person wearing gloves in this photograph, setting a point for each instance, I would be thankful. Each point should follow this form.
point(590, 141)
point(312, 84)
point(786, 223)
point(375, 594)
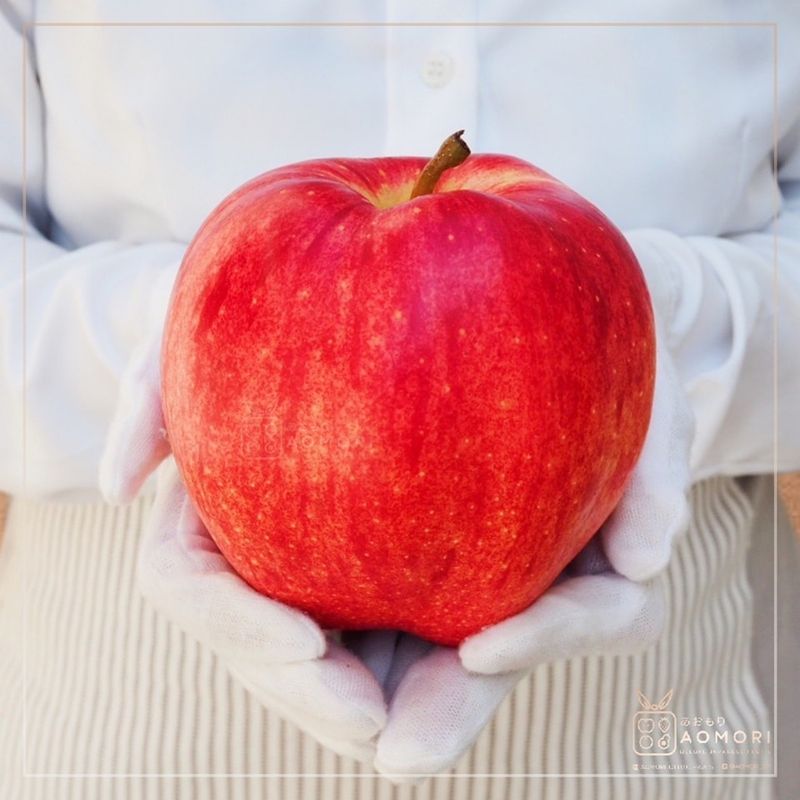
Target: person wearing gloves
point(134, 663)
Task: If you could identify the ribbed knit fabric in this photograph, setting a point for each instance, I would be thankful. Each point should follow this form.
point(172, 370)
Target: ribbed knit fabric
point(118, 695)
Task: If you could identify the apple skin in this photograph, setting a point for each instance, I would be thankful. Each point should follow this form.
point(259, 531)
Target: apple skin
point(407, 414)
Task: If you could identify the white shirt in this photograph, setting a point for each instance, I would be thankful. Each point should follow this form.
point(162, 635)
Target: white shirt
point(135, 133)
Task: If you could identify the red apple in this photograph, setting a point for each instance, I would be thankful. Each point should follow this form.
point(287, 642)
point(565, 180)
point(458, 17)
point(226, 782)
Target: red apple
point(407, 413)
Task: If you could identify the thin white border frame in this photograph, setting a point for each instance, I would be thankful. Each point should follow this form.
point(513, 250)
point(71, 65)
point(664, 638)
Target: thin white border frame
point(27, 29)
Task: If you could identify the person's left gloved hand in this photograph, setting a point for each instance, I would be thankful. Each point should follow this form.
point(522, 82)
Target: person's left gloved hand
point(606, 602)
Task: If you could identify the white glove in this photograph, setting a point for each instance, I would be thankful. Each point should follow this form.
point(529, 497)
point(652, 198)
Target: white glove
point(440, 698)
point(280, 654)
point(605, 602)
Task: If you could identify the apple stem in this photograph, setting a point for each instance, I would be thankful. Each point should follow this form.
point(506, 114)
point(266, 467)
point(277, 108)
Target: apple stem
point(453, 152)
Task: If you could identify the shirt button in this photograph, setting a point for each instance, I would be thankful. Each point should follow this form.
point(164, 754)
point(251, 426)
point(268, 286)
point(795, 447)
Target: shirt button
point(438, 70)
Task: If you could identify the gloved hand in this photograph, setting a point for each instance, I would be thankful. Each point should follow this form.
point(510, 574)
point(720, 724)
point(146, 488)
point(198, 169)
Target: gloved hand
point(441, 698)
point(279, 654)
point(605, 602)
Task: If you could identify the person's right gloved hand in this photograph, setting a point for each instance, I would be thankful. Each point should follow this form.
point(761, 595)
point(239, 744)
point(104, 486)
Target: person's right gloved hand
point(278, 653)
